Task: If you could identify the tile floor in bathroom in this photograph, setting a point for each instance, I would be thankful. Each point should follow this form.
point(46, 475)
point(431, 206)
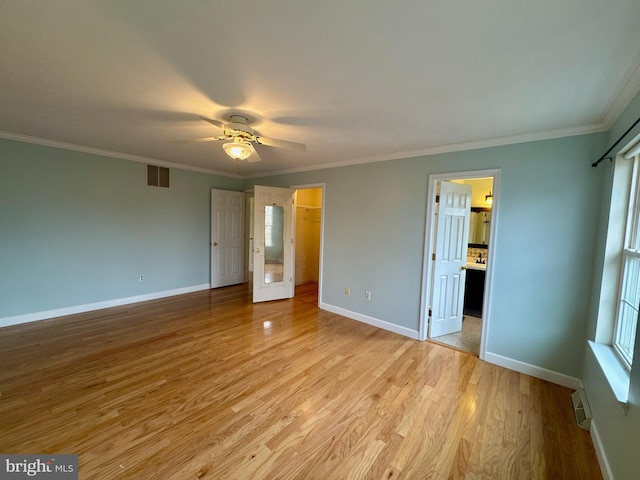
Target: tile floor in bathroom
point(468, 339)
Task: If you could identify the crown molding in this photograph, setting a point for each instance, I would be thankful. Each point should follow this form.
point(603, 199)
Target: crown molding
point(629, 88)
point(108, 153)
point(453, 147)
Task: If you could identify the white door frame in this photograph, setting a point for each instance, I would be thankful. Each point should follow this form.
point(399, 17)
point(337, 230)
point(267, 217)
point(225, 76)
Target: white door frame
point(427, 264)
point(302, 187)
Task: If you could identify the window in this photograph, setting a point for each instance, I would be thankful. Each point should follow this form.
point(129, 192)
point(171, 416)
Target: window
point(618, 303)
point(629, 294)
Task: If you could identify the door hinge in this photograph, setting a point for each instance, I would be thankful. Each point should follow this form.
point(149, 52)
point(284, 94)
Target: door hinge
point(433, 257)
point(430, 312)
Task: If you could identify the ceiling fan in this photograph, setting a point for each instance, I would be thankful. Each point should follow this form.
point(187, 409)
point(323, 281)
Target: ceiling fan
point(242, 139)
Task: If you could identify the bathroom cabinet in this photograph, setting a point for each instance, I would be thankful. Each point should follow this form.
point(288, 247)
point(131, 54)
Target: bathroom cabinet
point(474, 292)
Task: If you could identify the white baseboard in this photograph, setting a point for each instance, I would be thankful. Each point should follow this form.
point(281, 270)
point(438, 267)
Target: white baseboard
point(522, 367)
point(60, 312)
point(605, 468)
point(384, 325)
point(533, 370)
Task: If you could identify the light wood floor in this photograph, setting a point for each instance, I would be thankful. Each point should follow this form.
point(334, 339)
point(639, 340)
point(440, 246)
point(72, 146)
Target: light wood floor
point(207, 385)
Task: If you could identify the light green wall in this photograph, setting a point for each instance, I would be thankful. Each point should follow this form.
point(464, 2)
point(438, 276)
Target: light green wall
point(374, 238)
point(619, 432)
point(77, 228)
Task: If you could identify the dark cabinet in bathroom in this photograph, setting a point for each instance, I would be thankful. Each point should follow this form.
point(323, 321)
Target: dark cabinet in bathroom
point(474, 292)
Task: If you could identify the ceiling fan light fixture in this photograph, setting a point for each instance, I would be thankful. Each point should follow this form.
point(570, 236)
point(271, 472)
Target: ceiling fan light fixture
point(238, 149)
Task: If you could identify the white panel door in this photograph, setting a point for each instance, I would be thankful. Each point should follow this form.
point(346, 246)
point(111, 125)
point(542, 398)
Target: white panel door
point(227, 238)
point(449, 269)
point(273, 247)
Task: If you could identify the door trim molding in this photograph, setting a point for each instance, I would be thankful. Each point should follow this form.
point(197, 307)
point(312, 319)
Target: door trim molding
point(427, 269)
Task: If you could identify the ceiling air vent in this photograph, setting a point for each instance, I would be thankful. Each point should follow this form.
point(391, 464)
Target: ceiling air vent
point(157, 176)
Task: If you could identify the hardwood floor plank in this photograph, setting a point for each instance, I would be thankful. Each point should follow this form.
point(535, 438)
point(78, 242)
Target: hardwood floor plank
point(208, 385)
point(460, 462)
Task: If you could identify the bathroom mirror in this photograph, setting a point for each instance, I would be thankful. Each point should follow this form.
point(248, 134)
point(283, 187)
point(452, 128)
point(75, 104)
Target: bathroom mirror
point(479, 227)
point(273, 244)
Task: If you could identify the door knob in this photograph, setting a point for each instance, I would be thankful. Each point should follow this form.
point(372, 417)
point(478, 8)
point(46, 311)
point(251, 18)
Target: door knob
point(215, 244)
point(463, 267)
point(257, 250)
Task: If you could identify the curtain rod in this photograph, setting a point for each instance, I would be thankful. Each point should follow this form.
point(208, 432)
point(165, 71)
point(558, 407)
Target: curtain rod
point(604, 155)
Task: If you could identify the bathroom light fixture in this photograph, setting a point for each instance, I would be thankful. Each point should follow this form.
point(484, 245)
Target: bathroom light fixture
point(238, 149)
point(488, 199)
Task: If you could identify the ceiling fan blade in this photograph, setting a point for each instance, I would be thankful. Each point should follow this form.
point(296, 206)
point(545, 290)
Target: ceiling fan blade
point(198, 140)
point(274, 142)
point(254, 157)
point(213, 122)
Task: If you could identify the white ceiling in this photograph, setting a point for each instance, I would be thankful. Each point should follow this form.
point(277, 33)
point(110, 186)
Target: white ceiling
point(355, 80)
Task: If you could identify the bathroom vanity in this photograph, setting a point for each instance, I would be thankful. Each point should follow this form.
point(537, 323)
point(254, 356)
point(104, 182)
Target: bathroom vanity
point(474, 289)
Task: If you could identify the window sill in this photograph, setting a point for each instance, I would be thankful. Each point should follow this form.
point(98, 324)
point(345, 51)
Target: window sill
point(613, 370)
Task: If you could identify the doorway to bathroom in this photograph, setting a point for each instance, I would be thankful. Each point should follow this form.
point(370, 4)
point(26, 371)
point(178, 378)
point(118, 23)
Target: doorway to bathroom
point(461, 224)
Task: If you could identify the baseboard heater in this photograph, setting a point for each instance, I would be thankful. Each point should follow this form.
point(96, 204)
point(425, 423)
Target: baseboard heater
point(581, 409)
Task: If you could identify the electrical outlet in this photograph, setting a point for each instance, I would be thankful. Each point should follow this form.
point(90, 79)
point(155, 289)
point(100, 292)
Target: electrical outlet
point(367, 295)
point(142, 278)
point(347, 291)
